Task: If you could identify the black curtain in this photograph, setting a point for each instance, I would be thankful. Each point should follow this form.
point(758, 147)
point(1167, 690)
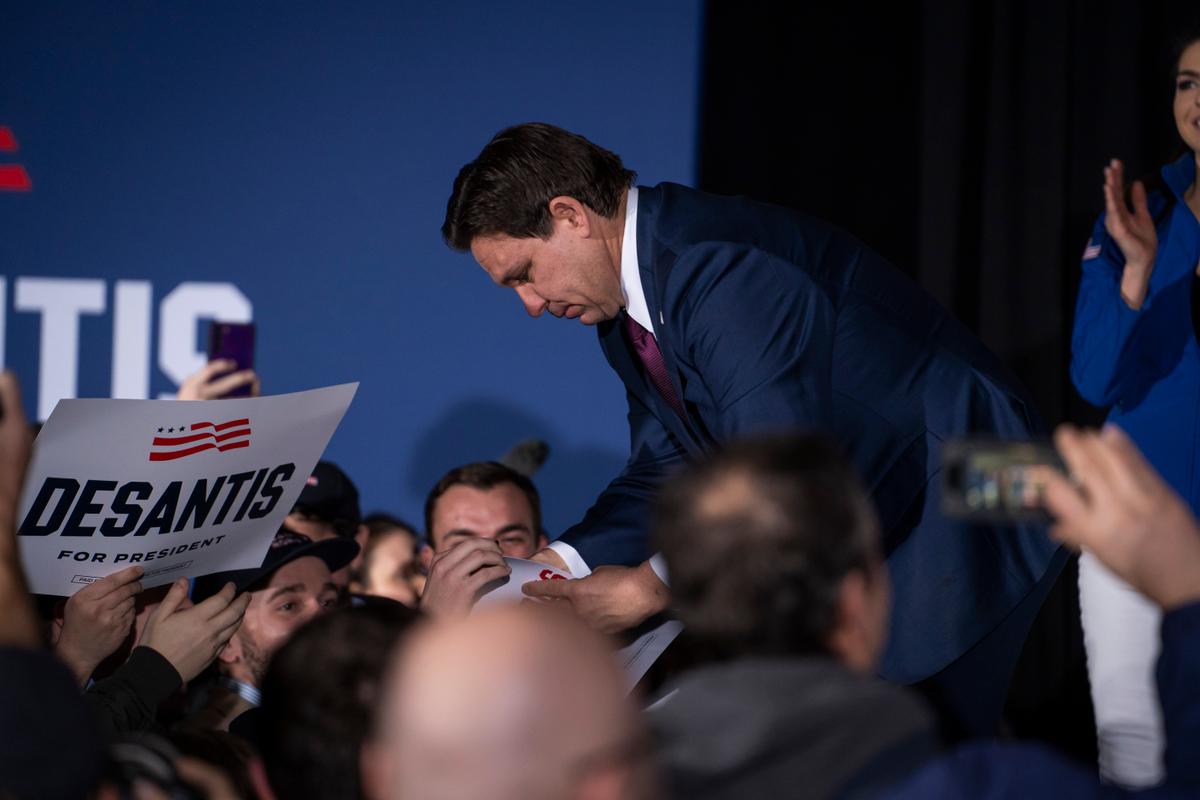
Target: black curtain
point(964, 141)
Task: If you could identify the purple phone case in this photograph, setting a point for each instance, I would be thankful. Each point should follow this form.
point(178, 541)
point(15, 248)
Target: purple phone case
point(234, 341)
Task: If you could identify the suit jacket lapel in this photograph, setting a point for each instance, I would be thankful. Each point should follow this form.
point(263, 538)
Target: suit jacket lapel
point(654, 277)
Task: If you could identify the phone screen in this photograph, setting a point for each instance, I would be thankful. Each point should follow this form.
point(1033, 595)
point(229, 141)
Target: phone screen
point(996, 481)
point(233, 341)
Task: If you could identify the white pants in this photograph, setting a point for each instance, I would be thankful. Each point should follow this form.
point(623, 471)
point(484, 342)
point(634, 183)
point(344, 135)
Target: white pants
point(1121, 634)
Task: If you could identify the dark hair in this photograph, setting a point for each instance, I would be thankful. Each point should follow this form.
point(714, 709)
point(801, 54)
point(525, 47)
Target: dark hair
point(758, 540)
point(319, 696)
point(381, 522)
point(1185, 35)
point(381, 526)
point(507, 189)
point(482, 475)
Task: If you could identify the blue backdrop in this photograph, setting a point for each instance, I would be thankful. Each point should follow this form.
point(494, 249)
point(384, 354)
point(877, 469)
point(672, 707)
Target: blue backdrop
point(290, 163)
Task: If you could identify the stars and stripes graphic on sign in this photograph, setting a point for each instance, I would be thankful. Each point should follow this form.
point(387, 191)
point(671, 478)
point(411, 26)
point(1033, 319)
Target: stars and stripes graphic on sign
point(181, 441)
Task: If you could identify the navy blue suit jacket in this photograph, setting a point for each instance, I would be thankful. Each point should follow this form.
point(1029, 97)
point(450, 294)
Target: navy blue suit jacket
point(769, 320)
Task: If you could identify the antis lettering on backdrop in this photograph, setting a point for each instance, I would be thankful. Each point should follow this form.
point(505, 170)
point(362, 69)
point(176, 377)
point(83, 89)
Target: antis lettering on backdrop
point(62, 301)
point(184, 488)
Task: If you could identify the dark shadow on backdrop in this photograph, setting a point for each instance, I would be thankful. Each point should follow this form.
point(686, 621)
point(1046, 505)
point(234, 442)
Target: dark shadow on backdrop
point(483, 429)
point(963, 140)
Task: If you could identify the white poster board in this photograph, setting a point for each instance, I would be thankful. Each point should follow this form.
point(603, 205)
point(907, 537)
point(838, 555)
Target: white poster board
point(182, 487)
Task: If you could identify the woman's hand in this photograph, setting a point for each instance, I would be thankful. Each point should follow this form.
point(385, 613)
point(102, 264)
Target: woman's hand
point(1133, 232)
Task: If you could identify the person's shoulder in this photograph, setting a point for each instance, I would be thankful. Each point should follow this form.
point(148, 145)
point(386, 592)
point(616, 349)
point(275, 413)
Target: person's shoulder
point(989, 769)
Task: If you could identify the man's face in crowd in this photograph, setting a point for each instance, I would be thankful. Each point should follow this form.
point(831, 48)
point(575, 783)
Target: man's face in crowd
point(571, 274)
point(501, 513)
point(393, 570)
point(296, 592)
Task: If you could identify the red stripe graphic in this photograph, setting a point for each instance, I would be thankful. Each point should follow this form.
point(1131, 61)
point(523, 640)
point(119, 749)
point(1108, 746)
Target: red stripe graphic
point(171, 441)
point(14, 178)
point(221, 436)
point(8, 142)
point(232, 423)
point(174, 454)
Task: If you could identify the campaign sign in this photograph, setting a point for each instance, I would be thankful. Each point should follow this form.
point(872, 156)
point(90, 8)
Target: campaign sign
point(182, 487)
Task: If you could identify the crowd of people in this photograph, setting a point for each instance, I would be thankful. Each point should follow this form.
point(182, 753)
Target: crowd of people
point(350, 664)
point(788, 396)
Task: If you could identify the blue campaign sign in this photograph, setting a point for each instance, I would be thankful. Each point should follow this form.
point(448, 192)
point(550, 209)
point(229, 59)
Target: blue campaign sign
point(163, 165)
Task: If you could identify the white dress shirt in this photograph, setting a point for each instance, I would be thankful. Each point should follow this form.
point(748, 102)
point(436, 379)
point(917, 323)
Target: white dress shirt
point(639, 311)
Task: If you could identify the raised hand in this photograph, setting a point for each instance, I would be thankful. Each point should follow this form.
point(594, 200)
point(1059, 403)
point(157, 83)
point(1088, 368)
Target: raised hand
point(1133, 231)
point(96, 621)
point(216, 379)
point(191, 636)
point(458, 573)
point(1125, 514)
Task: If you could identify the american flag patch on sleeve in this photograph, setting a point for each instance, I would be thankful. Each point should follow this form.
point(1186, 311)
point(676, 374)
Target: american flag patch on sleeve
point(1091, 251)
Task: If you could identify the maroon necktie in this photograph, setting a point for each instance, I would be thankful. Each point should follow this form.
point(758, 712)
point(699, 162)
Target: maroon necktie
point(652, 360)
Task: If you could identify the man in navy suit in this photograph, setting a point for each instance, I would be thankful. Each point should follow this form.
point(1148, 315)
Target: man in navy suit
point(724, 317)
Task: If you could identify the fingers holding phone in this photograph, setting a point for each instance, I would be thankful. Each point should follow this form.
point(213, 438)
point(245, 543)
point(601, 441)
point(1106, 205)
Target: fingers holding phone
point(230, 368)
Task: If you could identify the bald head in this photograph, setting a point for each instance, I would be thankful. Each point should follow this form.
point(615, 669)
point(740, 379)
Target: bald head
point(512, 702)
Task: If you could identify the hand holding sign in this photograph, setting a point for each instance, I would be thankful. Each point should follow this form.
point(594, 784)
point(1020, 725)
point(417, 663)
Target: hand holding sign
point(191, 636)
point(96, 621)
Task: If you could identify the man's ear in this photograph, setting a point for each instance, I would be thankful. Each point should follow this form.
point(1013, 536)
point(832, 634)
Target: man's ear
point(567, 213)
point(426, 557)
point(231, 653)
point(542, 542)
point(850, 639)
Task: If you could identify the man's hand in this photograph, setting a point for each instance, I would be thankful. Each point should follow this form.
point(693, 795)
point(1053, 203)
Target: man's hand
point(212, 382)
point(1126, 515)
point(611, 599)
point(96, 621)
point(191, 636)
point(457, 574)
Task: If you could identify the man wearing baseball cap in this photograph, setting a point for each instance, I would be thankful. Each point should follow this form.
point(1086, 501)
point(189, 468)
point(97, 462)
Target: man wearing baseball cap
point(328, 508)
point(293, 585)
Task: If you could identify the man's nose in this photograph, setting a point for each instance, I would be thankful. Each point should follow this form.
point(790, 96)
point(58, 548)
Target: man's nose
point(534, 303)
point(311, 609)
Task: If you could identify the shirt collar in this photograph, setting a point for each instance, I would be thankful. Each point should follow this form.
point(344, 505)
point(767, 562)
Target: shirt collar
point(1180, 175)
point(251, 694)
point(631, 273)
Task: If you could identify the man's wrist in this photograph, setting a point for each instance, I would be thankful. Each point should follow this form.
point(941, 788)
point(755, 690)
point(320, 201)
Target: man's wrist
point(655, 595)
point(80, 665)
point(1181, 589)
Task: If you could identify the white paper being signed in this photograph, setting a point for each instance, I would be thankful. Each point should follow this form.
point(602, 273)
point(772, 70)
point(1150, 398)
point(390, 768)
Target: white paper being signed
point(635, 659)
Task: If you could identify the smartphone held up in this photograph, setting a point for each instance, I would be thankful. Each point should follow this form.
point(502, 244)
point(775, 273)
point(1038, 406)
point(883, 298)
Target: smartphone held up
point(233, 341)
point(992, 480)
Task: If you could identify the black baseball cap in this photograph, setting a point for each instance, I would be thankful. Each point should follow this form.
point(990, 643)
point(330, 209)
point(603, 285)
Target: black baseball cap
point(286, 547)
point(331, 496)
